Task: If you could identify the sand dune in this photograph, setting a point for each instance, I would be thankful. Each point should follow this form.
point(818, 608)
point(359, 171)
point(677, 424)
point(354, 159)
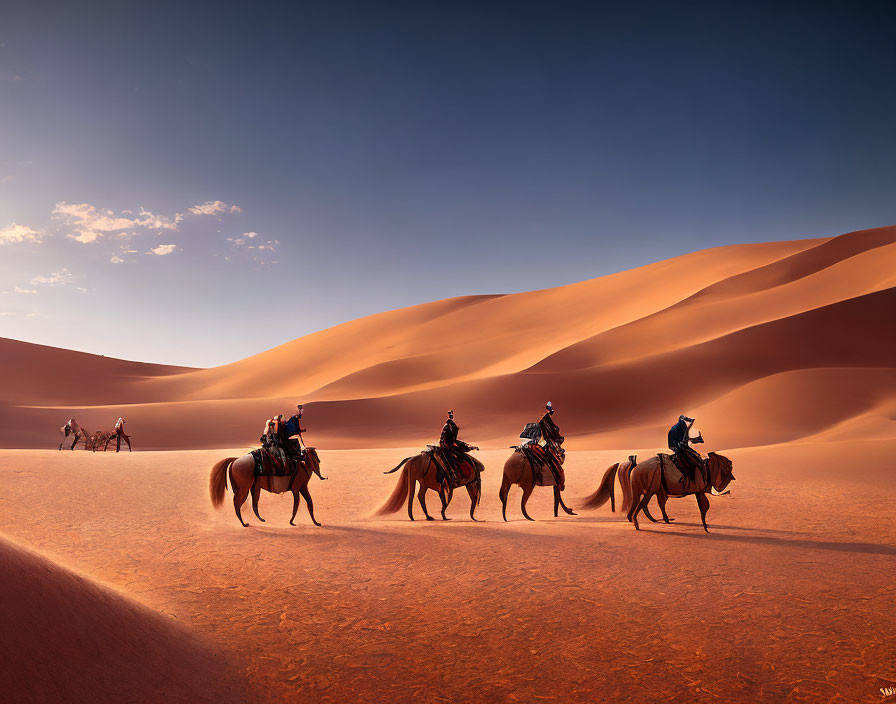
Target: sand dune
point(66, 638)
point(621, 356)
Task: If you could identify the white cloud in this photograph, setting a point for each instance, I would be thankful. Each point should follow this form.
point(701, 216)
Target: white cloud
point(214, 207)
point(116, 259)
point(57, 278)
point(25, 290)
point(163, 249)
point(90, 223)
point(19, 233)
point(80, 289)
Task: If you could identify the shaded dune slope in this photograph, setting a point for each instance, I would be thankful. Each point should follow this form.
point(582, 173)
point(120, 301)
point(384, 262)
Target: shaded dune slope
point(66, 638)
point(740, 333)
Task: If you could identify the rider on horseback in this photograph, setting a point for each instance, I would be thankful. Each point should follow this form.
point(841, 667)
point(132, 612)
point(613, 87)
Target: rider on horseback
point(689, 460)
point(453, 449)
point(550, 435)
point(279, 438)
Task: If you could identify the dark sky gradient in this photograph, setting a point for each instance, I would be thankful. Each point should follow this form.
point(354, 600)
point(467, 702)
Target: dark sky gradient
point(405, 152)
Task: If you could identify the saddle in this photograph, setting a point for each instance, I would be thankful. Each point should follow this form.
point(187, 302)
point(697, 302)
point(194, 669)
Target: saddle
point(270, 464)
point(449, 469)
point(543, 474)
point(686, 473)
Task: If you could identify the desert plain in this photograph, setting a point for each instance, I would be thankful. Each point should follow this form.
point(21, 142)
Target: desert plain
point(122, 583)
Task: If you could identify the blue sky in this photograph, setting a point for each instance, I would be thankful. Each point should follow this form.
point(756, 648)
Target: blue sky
point(194, 183)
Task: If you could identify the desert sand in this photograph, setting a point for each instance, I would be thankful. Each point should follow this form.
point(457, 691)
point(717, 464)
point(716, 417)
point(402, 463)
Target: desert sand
point(789, 599)
point(783, 351)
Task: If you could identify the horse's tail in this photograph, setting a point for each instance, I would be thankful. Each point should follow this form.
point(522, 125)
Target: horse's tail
point(399, 464)
point(217, 481)
point(604, 490)
point(399, 495)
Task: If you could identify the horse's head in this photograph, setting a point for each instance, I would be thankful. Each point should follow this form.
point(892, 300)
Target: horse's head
point(312, 461)
point(721, 471)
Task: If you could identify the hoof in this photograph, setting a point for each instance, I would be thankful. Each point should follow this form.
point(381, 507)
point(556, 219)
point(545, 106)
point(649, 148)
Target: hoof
point(430, 518)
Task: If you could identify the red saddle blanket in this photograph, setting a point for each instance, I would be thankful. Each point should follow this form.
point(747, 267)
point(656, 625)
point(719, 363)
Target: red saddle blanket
point(457, 473)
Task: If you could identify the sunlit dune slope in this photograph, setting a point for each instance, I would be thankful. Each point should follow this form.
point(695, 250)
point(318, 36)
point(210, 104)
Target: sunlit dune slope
point(66, 638)
point(740, 334)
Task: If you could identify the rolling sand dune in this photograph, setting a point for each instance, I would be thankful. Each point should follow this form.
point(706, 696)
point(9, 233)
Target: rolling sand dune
point(620, 355)
point(66, 639)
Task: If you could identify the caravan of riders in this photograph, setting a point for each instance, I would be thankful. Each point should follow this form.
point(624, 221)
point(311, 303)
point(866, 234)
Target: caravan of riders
point(284, 463)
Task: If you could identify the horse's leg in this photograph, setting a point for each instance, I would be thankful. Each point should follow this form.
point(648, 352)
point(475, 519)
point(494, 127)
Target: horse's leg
point(505, 490)
point(558, 498)
point(640, 505)
point(74, 442)
point(239, 498)
point(661, 499)
point(412, 486)
point(421, 498)
point(445, 502)
point(703, 503)
point(256, 492)
point(473, 490)
point(305, 493)
point(128, 440)
point(527, 492)
point(296, 500)
point(647, 513)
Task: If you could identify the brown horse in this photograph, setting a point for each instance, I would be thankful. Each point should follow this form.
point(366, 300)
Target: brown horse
point(648, 479)
point(244, 482)
point(605, 491)
point(517, 470)
point(421, 469)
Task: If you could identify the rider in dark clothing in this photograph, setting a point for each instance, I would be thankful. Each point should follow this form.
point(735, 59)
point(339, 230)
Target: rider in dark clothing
point(550, 433)
point(453, 448)
point(679, 443)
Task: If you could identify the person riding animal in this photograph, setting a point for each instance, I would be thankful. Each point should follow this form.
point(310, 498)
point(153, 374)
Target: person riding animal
point(552, 439)
point(284, 439)
point(454, 450)
point(689, 460)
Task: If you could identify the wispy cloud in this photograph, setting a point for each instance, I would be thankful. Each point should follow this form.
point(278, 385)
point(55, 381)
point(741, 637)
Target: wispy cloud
point(115, 259)
point(259, 250)
point(90, 223)
point(214, 207)
point(163, 249)
point(19, 233)
point(57, 278)
point(25, 290)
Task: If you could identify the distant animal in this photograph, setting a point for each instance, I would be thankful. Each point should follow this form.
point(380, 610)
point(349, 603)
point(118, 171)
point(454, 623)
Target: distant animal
point(244, 482)
point(649, 478)
point(421, 469)
point(518, 470)
point(72, 428)
point(98, 439)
